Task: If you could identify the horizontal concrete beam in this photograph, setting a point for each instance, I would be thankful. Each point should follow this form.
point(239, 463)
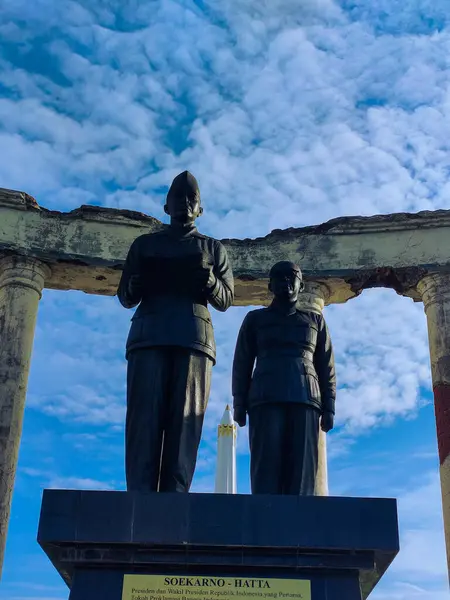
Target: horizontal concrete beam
point(86, 249)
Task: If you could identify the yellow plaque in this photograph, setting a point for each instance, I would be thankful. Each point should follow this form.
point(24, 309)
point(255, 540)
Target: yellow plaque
point(197, 587)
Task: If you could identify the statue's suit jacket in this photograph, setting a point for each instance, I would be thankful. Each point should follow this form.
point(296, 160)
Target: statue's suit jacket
point(294, 360)
point(171, 311)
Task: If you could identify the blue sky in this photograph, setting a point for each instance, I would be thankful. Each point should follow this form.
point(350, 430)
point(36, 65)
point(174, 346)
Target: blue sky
point(288, 113)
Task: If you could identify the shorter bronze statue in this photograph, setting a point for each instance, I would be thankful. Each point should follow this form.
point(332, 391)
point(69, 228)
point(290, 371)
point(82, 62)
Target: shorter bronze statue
point(172, 275)
point(291, 391)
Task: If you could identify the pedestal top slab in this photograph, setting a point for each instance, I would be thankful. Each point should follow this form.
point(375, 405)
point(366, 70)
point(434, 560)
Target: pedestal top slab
point(218, 533)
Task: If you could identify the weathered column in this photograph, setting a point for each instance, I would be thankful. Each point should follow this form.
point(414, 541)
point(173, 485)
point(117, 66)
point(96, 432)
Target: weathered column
point(435, 291)
point(21, 284)
point(313, 298)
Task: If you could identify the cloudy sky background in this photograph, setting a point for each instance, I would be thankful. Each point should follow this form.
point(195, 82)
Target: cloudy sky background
point(289, 113)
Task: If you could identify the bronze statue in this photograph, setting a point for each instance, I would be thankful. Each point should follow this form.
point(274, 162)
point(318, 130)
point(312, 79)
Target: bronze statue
point(172, 275)
point(291, 390)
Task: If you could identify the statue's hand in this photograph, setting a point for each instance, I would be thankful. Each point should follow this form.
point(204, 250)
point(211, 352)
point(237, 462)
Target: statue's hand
point(203, 276)
point(240, 416)
point(327, 421)
point(211, 280)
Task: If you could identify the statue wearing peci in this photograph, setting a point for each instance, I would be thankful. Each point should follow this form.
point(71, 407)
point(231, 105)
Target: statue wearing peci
point(172, 276)
point(291, 390)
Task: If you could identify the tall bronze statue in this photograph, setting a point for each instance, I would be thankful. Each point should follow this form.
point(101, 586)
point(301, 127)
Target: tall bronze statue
point(291, 390)
point(172, 275)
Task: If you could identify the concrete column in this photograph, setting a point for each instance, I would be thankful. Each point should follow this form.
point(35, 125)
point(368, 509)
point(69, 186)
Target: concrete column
point(313, 298)
point(435, 292)
point(21, 284)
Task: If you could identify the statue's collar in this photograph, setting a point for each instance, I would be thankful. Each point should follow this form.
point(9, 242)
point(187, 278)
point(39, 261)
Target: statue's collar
point(182, 230)
point(282, 309)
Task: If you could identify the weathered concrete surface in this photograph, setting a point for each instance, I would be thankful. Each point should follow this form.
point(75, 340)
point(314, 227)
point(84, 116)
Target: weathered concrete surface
point(87, 248)
point(21, 284)
point(435, 291)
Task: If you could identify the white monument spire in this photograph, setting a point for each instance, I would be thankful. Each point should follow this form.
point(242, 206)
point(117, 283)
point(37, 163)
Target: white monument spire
point(226, 455)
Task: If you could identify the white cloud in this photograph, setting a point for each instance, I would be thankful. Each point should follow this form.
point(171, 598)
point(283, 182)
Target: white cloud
point(420, 568)
point(406, 591)
point(421, 526)
point(78, 483)
point(423, 505)
point(51, 480)
point(271, 102)
point(85, 405)
point(417, 563)
point(382, 358)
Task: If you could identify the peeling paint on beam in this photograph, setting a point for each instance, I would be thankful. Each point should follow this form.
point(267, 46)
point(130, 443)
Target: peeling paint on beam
point(87, 248)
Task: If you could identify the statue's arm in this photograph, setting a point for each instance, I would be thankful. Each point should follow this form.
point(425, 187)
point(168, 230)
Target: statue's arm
point(129, 291)
point(325, 368)
point(243, 363)
point(220, 289)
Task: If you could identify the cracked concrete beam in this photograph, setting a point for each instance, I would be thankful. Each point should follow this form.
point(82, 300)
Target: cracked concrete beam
point(87, 247)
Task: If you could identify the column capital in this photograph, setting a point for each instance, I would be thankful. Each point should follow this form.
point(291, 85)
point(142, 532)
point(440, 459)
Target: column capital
point(435, 292)
point(434, 287)
point(23, 271)
point(314, 296)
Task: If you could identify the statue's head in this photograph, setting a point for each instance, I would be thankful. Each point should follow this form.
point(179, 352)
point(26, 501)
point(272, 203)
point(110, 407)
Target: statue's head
point(183, 199)
point(286, 281)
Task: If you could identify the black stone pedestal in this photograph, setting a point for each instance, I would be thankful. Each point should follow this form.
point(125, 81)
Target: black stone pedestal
point(342, 546)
